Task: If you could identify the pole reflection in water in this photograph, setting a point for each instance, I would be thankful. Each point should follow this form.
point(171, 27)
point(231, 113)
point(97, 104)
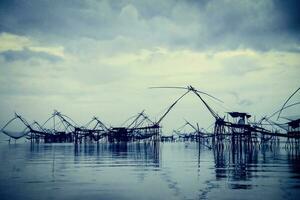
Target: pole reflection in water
point(262, 169)
point(148, 171)
point(143, 154)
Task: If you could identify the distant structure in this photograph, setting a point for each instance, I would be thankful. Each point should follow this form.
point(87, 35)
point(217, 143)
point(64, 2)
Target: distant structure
point(60, 128)
point(236, 127)
point(294, 128)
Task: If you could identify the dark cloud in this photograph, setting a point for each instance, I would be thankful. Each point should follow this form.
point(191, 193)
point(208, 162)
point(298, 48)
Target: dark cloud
point(26, 54)
point(289, 10)
point(263, 25)
point(27, 17)
point(247, 24)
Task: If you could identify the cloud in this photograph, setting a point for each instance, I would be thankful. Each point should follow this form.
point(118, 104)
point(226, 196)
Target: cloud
point(200, 25)
point(13, 42)
point(15, 47)
point(240, 65)
point(289, 11)
point(116, 84)
point(25, 54)
point(99, 57)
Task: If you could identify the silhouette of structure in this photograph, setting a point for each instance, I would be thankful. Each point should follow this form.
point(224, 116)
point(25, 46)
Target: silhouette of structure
point(236, 127)
point(60, 128)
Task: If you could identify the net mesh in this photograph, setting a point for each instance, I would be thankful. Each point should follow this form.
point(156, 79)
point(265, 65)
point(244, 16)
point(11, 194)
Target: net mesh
point(16, 134)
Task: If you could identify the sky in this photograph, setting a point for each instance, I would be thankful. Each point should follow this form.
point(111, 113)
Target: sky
point(99, 57)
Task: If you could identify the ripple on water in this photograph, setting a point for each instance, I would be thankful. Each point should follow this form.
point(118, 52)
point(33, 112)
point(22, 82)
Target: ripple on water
point(145, 171)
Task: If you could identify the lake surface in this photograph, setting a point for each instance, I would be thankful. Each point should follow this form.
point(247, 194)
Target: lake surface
point(147, 171)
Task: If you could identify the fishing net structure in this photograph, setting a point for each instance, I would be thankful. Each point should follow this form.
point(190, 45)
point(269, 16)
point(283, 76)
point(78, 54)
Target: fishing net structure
point(19, 127)
point(95, 124)
point(61, 128)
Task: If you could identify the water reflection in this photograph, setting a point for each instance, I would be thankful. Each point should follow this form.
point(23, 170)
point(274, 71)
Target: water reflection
point(240, 164)
point(148, 171)
point(146, 153)
point(143, 153)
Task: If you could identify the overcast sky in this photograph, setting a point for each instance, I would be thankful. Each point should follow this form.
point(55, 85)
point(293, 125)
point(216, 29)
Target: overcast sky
point(87, 58)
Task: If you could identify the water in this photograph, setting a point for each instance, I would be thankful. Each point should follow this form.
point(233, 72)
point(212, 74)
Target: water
point(146, 171)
